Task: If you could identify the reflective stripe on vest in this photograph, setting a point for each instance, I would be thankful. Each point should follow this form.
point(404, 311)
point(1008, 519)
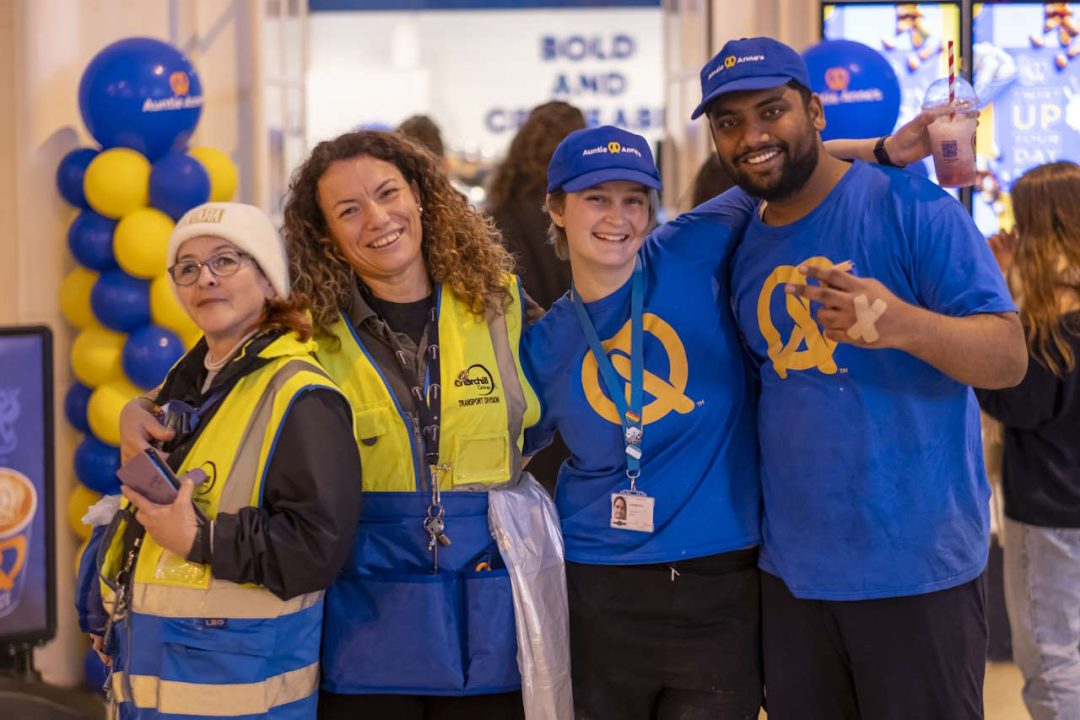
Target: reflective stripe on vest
point(171, 596)
point(486, 402)
point(219, 699)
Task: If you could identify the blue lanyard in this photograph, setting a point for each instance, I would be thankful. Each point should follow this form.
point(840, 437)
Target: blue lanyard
point(631, 415)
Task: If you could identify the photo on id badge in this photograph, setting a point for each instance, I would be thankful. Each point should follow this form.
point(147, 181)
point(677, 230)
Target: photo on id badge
point(632, 511)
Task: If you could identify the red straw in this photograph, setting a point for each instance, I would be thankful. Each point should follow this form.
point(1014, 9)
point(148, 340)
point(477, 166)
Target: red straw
point(952, 82)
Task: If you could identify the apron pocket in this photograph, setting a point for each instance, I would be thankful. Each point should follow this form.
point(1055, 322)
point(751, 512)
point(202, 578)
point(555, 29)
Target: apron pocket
point(490, 631)
point(393, 632)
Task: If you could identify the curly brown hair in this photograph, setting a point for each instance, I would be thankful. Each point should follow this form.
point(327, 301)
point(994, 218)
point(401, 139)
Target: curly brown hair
point(461, 247)
point(1046, 266)
point(524, 170)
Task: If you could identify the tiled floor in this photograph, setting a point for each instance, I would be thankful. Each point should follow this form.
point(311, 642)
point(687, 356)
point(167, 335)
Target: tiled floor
point(1002, 693)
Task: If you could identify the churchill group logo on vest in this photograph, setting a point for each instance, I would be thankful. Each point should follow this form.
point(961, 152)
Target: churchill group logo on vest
point(667, 394)
point(807, 348)
point(478, 378)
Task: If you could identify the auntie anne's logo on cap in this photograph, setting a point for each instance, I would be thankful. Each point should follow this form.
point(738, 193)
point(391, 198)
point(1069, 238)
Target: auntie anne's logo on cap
point(731, 61)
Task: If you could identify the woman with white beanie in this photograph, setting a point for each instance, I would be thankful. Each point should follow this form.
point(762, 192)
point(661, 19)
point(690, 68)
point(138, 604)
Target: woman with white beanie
point(215, 599)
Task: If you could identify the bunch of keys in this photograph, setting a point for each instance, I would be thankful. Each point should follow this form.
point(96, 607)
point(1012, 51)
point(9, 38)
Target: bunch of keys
point(435, 527)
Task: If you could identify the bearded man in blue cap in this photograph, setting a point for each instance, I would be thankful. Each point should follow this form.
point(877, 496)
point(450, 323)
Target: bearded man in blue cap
point(870, 304)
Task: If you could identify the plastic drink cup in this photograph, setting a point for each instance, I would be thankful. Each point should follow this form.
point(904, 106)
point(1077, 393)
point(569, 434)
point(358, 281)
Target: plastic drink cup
point(952, 136)
point(18, 503)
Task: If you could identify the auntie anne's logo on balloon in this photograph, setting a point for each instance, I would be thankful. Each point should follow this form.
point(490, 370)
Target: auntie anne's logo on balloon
point(837, 78)
point(179, 82)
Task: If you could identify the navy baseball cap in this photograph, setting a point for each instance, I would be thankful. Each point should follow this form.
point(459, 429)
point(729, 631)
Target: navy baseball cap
point(759, 63)
point(589, 157)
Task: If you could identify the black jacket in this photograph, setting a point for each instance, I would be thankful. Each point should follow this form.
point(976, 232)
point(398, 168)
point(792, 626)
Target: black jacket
point(1041, 469)
point(300, 537)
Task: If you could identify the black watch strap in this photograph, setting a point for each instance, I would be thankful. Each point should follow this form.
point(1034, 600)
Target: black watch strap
point(881, 155)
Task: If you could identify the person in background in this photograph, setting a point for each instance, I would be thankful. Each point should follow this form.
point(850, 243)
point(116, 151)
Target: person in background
point(710, 181)
point(1041, 463)
point(216, 599)
point(423, 130)
point(418, 319)
point(516, 199)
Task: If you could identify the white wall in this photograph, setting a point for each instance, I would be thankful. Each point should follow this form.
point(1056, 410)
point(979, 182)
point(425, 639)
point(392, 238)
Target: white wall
point(478, 72)
point(44, 47)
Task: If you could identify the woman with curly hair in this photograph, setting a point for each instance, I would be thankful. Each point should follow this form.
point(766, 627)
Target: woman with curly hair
point(1041, 468)
point(418, 320)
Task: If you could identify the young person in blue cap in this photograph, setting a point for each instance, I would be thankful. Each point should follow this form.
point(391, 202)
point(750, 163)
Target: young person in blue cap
point(641, 371)
point(659, 500)
point(870, 305)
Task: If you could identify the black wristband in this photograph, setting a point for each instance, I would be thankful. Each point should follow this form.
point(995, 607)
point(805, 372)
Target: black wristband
point(881, 155)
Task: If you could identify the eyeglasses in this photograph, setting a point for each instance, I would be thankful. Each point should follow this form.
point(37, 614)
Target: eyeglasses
point(223, 264)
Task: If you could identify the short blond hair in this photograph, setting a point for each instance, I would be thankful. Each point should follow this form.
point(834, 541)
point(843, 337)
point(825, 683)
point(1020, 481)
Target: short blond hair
point(557, 235)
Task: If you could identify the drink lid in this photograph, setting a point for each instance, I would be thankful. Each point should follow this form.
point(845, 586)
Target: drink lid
point(937, 95)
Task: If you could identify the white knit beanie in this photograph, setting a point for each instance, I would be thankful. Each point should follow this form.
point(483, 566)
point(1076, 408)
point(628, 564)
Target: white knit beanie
point(245, 226)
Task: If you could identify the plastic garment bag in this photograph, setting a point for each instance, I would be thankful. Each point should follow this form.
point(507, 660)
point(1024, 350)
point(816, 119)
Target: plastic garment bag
point(526, 527)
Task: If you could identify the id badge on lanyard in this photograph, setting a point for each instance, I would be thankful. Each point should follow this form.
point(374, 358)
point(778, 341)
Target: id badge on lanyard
point(631, 509)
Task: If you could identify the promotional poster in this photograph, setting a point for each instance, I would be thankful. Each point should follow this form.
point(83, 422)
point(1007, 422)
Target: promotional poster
point(1027, 76)
point(913, 37)
point(26, 613)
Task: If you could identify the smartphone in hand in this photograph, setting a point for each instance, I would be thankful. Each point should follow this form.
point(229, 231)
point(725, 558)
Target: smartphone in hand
point(149, 475)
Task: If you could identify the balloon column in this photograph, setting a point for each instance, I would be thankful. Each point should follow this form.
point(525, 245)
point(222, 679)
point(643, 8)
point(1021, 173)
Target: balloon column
point(140, 99)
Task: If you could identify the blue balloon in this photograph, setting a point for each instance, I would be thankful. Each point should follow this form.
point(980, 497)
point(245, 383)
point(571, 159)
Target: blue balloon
point(149, 354)
point(858, 88)
point(78, 395)
point(69, 176)
point(94, 672)
point(143, 94)
point(96, 464)
point(177, 184)
point(121, 302)
point(90, 239)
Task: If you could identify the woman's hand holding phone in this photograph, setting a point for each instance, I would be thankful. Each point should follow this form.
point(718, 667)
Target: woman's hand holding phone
point(172, 526)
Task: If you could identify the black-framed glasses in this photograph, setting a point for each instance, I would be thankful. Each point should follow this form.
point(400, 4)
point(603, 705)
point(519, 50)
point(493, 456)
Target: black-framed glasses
point(222, 264)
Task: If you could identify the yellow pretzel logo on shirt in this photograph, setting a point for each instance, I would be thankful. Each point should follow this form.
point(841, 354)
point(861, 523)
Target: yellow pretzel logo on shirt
point(818, 352)
point(668, 394)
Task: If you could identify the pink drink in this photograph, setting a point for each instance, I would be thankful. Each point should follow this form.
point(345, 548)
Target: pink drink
point(952, 142)
point(952, 135)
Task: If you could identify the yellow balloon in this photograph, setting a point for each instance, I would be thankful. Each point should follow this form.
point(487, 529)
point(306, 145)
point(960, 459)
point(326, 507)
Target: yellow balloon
point(222, 171)
point(166, 310)
point(141, 241)
point(80, 499)
point(103, 410)
point(95, 355)
point(117, 181)
point(75, 297)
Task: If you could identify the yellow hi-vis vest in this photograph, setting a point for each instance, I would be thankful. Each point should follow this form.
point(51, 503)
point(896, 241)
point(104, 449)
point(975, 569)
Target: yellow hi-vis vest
point(479, 420)
point(197, 645)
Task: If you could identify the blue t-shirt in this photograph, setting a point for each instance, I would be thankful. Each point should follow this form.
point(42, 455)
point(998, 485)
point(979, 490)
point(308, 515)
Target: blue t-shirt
point(872, 472)
point(699, 454)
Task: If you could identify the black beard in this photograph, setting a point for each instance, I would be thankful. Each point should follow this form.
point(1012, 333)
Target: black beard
point(795, 172)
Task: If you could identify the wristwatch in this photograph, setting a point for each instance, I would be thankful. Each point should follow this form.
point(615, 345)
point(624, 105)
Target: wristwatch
point(881, 155)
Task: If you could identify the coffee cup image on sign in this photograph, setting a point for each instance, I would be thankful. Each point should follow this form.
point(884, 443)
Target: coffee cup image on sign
point(18, 503)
